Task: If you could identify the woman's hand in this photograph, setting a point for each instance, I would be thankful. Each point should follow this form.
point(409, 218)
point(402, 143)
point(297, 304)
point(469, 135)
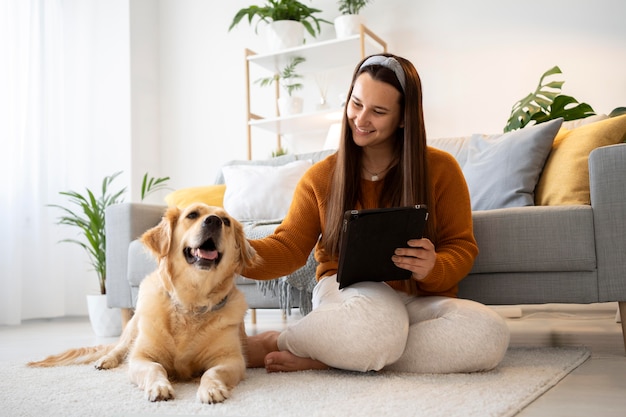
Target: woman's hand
point(419, 258)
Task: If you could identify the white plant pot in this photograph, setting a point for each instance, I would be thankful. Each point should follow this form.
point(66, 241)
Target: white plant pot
point(348, 25)
point(290, 105)
point(282, 34)
point(105, 321)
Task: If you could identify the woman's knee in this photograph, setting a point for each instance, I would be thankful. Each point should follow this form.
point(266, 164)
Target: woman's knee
point(485, 335)
point(378, 335)
point(367, 330)
point(453, 335)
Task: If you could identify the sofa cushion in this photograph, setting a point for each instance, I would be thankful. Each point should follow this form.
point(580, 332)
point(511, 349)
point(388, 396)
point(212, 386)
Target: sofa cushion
point(535, 239)
point(213, 195)
point(255, 192)
point(565, 178)
point(455, 146)
point(503, 170)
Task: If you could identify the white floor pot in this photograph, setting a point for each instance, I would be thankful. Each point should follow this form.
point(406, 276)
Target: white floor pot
point(348, 25)
point(283, 34)
point(105, 321)
point(290, 105)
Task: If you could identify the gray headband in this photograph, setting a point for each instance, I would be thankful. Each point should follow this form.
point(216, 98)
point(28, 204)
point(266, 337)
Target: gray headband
point(388, 62)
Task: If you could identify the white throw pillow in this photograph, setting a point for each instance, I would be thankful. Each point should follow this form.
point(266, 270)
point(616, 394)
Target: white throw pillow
point(503, 170)
point(261, 192)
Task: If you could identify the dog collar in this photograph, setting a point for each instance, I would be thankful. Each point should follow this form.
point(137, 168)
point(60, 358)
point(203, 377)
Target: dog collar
point(203, 309)
point(220, 304)
point(216, 307)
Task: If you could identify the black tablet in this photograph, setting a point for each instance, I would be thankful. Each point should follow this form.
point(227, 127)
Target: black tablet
point(369, 239)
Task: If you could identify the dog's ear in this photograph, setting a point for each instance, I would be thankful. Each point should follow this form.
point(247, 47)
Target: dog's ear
point(159, 237)
point(247, 254)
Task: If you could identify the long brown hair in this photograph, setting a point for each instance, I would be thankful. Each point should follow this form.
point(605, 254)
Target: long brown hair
point(405, 184)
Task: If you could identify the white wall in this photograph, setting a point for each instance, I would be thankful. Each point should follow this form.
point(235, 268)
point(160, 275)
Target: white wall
point(475, 60)
point(145, 150)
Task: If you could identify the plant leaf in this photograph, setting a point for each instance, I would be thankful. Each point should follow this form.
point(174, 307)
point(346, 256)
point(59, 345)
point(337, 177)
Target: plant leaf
point(566, 107)
point(540, 100)
point(151, 184)
point(88, 218)
point(618, 111)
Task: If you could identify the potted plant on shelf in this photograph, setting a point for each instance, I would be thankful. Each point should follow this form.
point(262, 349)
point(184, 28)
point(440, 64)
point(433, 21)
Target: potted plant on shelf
point(349, 22)
point(287, 78)
point(286, 19)
point(86, 212)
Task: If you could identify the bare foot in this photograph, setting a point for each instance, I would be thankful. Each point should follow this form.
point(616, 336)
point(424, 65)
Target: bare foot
point(285, 361)
point(259, 346)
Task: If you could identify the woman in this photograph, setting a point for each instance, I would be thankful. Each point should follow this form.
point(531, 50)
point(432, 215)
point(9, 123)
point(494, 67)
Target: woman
point(417, 325)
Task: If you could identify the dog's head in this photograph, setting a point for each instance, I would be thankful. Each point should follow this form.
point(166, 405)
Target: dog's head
point(201, 245)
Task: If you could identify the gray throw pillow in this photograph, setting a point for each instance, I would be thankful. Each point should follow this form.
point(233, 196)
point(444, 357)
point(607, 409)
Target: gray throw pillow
point(502, 170)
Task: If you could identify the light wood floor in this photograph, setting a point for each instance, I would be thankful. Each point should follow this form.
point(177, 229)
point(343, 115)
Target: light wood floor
point(597, 388)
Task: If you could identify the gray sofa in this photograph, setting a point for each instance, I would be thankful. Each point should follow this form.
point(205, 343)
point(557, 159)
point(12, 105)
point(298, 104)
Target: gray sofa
point(528, 255)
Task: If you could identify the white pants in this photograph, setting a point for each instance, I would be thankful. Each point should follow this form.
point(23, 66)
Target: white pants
point(370, 326)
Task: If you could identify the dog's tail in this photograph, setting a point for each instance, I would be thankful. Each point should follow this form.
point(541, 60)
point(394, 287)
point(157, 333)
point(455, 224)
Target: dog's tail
point(79, 356)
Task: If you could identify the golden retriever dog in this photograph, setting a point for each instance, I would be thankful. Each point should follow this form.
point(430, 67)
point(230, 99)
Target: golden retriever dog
point(189, 320)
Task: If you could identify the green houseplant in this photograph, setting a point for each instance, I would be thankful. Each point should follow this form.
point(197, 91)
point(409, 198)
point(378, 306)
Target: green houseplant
point(352, 6)
point(86, 213)
point(350, 21)
point(288, 79)
point(546, 103)
point(276, 10)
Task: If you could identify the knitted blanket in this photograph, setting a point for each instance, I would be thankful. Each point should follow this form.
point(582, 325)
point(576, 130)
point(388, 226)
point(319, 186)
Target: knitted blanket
point(302, 280)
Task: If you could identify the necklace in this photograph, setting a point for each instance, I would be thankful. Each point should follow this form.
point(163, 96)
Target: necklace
point(375, 176)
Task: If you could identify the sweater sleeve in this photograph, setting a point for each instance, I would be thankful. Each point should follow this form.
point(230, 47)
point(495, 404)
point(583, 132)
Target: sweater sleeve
point(455, 244)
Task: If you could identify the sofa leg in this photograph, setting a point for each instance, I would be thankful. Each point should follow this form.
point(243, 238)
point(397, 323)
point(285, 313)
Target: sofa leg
point(253, 315)
point(621, 306)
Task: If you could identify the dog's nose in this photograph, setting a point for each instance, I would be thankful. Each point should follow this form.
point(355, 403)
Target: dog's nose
point(212, 222)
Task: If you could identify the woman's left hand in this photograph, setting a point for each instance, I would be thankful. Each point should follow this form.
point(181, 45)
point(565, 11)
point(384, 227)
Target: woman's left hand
point(419, 257)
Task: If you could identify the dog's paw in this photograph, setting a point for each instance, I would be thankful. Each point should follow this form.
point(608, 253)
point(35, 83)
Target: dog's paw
point(213, 392)
point(107, 362)
point(160, 391)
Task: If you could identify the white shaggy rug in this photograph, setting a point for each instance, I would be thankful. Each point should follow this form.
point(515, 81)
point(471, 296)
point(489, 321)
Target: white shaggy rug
point(524, 375)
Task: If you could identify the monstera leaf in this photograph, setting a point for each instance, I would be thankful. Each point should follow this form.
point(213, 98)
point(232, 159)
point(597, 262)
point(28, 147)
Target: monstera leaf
point(618, 111)
point(538, 101)
point(566, 107)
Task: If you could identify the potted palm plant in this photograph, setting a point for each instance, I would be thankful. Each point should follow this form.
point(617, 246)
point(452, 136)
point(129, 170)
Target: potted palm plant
point(288, 79)
point(85, 212)
point(286, 19)
point(349, 22)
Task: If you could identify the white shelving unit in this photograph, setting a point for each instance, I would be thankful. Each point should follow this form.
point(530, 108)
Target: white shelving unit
point(319, 57)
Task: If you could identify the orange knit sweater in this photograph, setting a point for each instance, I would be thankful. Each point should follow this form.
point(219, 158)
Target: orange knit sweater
point(288, 248)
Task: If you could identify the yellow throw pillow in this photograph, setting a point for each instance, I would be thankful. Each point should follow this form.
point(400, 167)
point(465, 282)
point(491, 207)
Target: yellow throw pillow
point(213, 195)
point(565, 177)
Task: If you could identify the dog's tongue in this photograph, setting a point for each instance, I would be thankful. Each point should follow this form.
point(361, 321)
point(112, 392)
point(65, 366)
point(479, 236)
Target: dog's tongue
point(206, 254)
